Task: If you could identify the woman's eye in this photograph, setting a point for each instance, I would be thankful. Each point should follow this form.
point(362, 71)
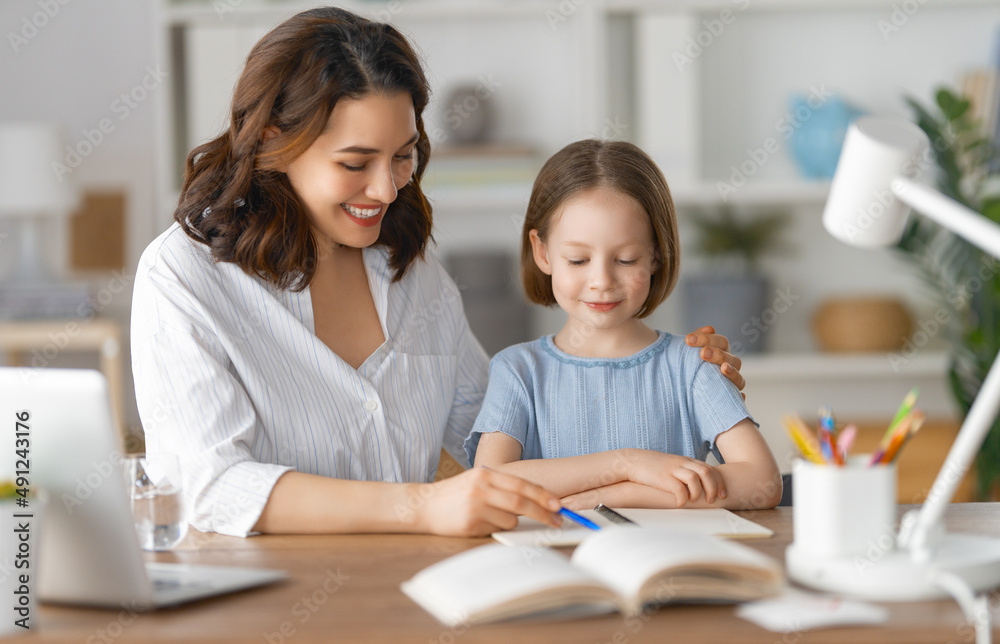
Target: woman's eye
point(405, 157)
point(353, 168)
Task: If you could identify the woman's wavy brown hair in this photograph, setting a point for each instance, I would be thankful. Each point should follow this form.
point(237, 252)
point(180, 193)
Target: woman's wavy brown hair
point(619, 166)
point(236, 199)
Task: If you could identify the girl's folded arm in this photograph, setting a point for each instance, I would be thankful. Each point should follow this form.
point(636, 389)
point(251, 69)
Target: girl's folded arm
point(561, 476)
point(750, 478)
point(751, 473)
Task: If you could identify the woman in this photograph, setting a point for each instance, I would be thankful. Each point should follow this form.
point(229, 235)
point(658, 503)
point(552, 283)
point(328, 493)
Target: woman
point(291, 342)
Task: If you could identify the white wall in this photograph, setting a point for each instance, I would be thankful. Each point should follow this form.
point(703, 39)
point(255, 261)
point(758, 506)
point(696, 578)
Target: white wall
point(73, 70)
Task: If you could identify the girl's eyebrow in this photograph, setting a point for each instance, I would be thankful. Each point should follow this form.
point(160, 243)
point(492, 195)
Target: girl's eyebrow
point(357, 149)
point(579, 244)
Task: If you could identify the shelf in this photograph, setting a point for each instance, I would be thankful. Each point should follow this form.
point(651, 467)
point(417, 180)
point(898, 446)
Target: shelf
point(621, 7)
point(258, 11)
point(827, 366)
point(503, 198)
point(791, 193)
point(514, 196)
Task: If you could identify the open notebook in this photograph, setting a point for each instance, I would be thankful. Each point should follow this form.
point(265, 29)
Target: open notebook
point(624, 569)
point(709, 521)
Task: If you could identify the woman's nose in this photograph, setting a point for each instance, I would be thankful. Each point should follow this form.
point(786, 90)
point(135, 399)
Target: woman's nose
point(382, 186)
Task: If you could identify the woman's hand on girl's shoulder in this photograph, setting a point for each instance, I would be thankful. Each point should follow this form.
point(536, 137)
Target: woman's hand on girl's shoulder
point(715, 349)
point(480, 501)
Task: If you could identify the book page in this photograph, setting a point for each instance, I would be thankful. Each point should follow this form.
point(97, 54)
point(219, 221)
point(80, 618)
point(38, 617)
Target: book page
point(495, 582)
point(709, 521)
point(660, 565)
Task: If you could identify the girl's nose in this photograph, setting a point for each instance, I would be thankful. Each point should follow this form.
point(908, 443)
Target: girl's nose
point(601, 276)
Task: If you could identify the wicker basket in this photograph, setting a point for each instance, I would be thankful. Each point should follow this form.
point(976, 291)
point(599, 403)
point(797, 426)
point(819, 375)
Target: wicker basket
point(862, 324)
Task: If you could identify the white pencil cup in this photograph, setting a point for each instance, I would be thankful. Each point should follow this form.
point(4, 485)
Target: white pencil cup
point(843, 511)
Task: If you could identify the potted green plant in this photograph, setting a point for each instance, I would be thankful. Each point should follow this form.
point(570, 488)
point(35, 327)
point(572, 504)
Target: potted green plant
point(733, 294)
point(960, 275)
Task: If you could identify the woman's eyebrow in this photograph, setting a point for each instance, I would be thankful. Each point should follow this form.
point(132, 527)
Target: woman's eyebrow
point(357, 149)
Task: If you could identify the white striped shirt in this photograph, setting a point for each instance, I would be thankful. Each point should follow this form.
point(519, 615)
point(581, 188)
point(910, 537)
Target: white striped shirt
point(230, 375)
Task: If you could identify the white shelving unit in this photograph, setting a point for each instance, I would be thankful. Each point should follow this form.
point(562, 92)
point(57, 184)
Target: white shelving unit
point(571, 70)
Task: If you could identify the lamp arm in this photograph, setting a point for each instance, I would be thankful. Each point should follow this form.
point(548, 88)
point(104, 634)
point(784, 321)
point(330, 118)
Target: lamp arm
point(961, 220)
point(918, 535)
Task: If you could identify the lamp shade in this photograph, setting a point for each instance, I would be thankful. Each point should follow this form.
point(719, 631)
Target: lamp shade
point(28, 184)
point(862, 209)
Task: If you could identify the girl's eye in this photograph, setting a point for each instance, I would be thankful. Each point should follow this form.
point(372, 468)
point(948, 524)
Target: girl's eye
point(576, 262)
point(353, 168)
point(628, 262)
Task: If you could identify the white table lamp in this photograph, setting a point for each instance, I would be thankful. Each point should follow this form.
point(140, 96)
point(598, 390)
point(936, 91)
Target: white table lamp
point(31, 191)
point(869, 198)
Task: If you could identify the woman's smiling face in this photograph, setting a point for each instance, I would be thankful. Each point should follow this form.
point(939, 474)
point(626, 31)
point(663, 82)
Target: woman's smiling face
point(352, 172)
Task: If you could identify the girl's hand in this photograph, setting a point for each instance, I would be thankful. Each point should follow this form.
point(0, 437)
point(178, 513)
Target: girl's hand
point(716, 350)
point(478, 502)
point(686, 478)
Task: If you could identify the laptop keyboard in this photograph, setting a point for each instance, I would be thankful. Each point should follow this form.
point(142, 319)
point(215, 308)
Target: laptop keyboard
point(160, 585)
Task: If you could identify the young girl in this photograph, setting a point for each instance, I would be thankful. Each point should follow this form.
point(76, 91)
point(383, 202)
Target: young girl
point(621, 414)
point(280, 337)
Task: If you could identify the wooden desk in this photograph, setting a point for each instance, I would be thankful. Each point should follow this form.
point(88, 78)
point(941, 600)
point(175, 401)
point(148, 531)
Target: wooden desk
point(346, 589)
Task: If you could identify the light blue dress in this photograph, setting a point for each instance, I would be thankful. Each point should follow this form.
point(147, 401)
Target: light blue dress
point(663, 398)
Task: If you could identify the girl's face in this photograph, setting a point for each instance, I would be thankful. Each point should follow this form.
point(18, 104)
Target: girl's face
point(352, 172)
point(601, 256)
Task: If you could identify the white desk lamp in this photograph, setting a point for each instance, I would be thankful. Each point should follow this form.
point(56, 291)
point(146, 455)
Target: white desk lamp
point(867, 207)
point(31, 191)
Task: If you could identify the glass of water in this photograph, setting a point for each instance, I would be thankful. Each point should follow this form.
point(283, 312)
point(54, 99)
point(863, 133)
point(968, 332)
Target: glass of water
point(153, 482)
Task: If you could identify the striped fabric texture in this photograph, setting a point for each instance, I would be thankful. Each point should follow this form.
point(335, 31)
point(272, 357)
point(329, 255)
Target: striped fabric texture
point(663, 398)
point(230, 376)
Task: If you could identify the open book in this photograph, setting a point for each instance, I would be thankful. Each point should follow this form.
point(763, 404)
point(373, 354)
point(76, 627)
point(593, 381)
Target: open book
point(620, 569)
point(708, 521)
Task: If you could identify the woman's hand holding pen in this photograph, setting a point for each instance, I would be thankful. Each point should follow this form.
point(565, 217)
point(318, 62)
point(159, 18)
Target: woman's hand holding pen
point(480, 501)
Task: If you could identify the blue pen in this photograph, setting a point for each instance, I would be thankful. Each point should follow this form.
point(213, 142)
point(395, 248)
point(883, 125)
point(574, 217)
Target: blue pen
point(586, 523)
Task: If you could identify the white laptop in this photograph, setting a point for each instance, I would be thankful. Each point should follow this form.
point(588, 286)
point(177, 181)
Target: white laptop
point(89, 551)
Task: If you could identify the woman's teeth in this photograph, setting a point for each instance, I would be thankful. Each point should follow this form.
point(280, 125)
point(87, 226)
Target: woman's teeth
point(361, 212)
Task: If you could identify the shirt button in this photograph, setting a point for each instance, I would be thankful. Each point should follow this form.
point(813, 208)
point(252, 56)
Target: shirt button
point(371, 405)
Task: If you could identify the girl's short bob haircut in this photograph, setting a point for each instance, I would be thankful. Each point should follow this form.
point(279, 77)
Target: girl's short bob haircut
point(616, 165)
